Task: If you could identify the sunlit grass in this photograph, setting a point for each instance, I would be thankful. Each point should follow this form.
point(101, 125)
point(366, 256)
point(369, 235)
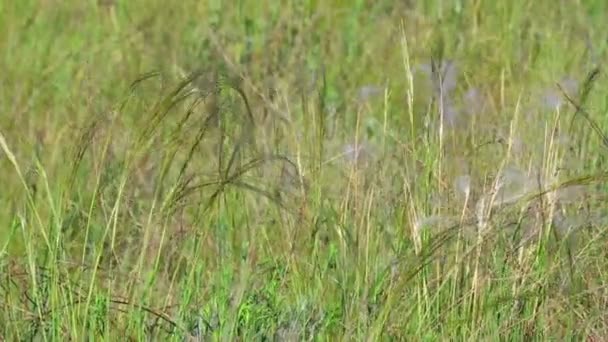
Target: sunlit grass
point(307, 170)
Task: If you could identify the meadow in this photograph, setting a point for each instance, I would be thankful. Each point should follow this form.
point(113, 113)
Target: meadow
point(303, 170)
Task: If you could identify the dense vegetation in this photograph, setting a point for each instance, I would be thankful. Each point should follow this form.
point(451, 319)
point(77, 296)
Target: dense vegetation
point(333, 170)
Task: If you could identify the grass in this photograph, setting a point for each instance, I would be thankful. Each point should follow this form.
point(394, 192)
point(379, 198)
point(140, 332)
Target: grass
point(303, 170)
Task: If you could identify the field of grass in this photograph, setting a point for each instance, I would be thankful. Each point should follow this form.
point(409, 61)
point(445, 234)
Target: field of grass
point(303, 170)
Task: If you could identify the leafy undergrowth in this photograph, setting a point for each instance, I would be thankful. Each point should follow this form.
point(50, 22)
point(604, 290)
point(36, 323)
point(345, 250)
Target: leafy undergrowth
point(338, 171)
